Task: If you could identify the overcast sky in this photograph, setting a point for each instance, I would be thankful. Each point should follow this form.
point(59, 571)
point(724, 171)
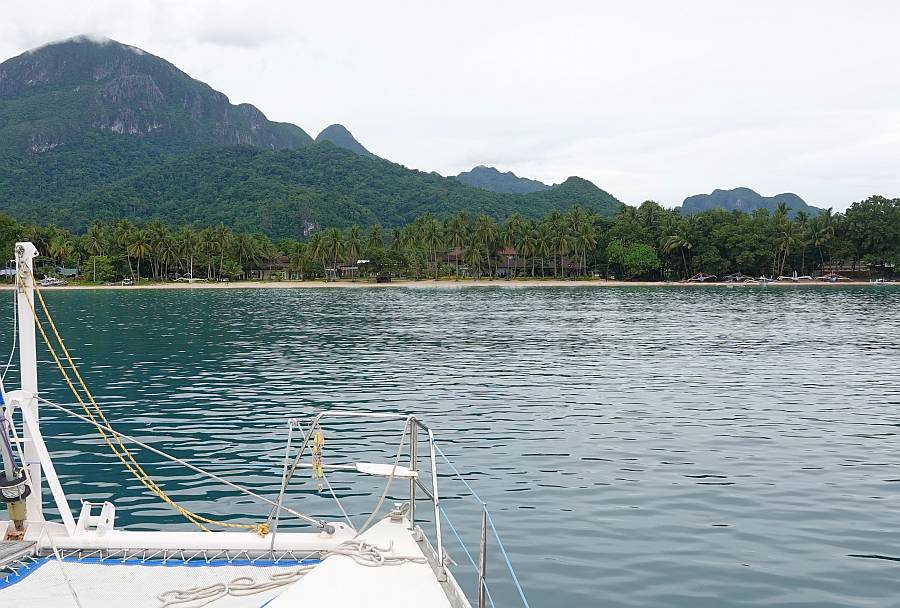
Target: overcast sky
point(649, 100)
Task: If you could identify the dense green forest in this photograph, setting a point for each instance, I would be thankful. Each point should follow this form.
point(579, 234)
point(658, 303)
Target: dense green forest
point(281, 193)
point(645, 242)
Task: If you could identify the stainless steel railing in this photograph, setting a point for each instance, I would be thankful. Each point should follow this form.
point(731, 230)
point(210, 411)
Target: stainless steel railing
point(412, 428)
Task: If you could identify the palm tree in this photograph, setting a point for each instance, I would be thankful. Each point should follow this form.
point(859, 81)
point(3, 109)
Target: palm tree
point(223, 239)
point(486, 238)
point(375, 238)
point(823, 232)
point(334, 246)
point(122, 236)
point(526, 246)
point(544, 243)
point(61, 248)
point(167, 250)
point(316, 248)
point(244, 249)
point(139, 247)
point(93, 244)
point(563, 243)
point(457, 232)
point(787, 238)
point(781, 213)
point(353, 243)
point(209, 244)
point(585, 238)
point(474, 256)
point(432, 239)
point(680, 242)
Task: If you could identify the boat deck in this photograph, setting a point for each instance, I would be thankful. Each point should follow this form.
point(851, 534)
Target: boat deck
point(409, 577)
point(14, 550)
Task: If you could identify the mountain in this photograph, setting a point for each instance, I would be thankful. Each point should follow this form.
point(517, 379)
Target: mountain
point(745, 199)
point(489, 178)
point(93, 130)
point(276, 191)
point(342, 138)
point(58, 94)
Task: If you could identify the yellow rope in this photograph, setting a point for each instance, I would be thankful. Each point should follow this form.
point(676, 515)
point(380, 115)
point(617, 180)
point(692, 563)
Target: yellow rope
point(124, 456)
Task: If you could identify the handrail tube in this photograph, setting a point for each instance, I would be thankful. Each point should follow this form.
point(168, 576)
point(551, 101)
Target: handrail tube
point(437, 506)
point(414, 466)
point(482, 561)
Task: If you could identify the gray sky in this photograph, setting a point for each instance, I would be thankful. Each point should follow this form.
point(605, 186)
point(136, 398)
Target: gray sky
point(648, 99)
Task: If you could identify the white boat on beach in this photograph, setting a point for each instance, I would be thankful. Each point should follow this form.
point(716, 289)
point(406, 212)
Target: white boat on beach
point(394, 559)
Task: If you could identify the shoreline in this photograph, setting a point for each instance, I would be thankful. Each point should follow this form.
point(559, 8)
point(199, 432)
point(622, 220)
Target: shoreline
point(450, 284)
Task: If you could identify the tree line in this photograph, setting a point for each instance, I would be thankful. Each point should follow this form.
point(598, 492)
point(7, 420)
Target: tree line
point(646, 242)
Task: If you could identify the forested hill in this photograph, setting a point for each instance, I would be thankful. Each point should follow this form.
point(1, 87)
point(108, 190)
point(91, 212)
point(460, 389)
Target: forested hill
point(342, 138)
point(746, 200)
point(278, 191)
point(57, 95)
point(489, 178)
point(98, 130)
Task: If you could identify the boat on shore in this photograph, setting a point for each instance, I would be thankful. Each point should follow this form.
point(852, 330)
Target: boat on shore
point(396, 558)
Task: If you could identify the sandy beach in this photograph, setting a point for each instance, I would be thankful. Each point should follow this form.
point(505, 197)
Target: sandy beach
point(452, 284)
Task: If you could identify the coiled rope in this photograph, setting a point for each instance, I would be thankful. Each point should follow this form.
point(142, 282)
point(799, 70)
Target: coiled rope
point(361, 552)
point(118, 448)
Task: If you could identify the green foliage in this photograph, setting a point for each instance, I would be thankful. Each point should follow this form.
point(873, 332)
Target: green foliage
point(634, 260)
point(647, 242)
point(281, 193)
point(98, 268)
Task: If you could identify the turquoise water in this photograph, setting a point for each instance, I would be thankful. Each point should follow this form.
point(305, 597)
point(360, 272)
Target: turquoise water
point(637, 447)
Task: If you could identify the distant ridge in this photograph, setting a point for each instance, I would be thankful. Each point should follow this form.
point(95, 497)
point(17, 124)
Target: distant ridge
point(489, 178)
point(342, 138)
point(747, 200)
point(92, 129)
point(59, 94)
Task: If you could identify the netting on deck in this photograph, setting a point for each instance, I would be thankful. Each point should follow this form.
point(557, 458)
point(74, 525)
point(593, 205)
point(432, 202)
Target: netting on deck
point(138, 583)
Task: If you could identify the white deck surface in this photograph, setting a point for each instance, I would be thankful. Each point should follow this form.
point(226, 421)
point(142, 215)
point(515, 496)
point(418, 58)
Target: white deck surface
point(132, 585)
point(340, 581)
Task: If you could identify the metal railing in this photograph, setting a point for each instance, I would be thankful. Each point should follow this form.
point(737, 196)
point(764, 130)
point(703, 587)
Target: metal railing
point(412, 426)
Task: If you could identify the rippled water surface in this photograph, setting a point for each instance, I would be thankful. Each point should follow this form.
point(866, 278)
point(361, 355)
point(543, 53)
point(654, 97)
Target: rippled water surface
point(638, 447)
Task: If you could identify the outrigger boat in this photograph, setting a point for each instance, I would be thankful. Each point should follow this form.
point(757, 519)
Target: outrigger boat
point(795, 277)
point(388, 561)
point(832, 277)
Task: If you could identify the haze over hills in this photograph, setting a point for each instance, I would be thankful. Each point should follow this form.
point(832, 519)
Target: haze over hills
point(745, 199)
point(489, 178)
point(95, 129)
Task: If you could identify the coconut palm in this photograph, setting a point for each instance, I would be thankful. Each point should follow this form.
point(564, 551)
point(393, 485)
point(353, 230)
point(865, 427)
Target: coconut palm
point(432, 238)
point(474, 256)
point(786, 240)
point(544, 244)
point(456, 233)
point(526, 246)
point(485, 235)
point(375, 238)
point(139, 247)
point(61, 248)
point(563, 244)
point(333, 243)
point(680, 242)
point(93, 245)
point(585, 239)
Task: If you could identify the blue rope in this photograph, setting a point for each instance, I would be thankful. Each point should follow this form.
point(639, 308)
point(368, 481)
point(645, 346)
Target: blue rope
point(506, 557)
point(466, 551)
point(490, 519)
